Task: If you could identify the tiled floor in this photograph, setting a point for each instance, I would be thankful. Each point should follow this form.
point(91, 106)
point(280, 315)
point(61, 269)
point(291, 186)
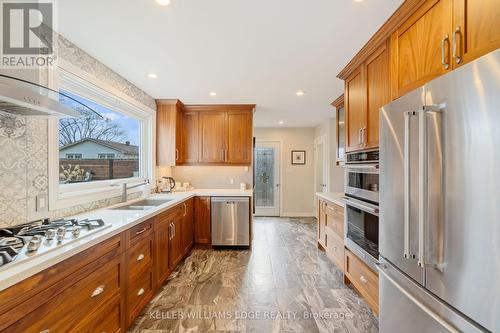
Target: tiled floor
point(284, 284)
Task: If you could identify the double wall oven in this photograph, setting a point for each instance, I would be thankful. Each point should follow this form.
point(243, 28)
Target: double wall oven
point(361, 202)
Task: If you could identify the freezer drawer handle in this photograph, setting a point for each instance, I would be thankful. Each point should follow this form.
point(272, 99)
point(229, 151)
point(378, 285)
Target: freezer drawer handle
point(381, 269)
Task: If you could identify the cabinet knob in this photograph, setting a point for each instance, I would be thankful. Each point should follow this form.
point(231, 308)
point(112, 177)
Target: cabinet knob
point(363, 279)
point(99, 290)
point(140, 292)
point(140, 257)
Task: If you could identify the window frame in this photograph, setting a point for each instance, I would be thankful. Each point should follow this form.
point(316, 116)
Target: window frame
point(67, 195)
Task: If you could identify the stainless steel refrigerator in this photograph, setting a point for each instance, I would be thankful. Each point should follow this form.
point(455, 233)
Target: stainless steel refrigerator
point(439, 229)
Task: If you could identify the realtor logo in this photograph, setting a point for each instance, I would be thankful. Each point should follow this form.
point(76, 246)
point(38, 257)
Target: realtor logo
point(27, 33)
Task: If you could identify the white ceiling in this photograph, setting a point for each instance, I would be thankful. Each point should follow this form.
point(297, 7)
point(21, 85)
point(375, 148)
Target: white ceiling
point(248, 51)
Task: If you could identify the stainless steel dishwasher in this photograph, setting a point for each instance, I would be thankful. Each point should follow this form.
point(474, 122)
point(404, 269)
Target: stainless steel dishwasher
point(231, 221)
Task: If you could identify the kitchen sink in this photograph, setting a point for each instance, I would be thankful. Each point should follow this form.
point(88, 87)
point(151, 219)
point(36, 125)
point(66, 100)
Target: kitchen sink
point(143, 204)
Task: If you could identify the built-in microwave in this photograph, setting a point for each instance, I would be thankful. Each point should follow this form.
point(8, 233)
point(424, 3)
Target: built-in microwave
point(362, 176)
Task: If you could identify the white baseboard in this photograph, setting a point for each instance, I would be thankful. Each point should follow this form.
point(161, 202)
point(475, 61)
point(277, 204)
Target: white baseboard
point(302, 214)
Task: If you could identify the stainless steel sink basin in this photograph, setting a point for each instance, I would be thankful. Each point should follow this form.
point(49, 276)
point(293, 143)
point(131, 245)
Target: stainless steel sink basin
point(151, 202)
point(143, 204)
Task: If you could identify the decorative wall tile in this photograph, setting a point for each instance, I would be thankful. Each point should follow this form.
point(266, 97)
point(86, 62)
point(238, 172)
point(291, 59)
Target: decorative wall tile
point(24, 148)
point(11, 126)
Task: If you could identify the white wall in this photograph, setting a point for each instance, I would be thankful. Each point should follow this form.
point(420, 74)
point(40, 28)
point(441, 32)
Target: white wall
point(335, 173)
point(297, 185)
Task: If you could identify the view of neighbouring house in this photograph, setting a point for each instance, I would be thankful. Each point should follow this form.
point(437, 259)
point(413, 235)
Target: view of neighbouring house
point(99, 149)
point(92, 159)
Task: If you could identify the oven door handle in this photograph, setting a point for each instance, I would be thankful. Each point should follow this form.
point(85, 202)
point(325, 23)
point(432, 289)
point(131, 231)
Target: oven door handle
point(364, 208)
point(372, 167)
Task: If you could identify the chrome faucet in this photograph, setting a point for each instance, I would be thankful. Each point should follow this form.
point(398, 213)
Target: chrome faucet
point(125, 188)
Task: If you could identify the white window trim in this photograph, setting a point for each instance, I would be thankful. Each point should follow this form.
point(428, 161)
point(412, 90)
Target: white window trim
point(67, 195)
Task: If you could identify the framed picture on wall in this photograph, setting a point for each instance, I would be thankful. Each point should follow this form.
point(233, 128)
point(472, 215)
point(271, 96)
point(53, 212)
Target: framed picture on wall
point(298, 157)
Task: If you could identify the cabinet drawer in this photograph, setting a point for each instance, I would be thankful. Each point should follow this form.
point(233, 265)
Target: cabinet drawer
point(335, 219)
point(106, 319)
point(139, 292)
point(363, 278)
point(335, 249)
point(139, 232)
point(334, 209)
point(64, 311)
point(140, 256)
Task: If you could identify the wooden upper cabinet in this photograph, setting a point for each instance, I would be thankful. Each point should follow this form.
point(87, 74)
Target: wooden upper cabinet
point(366, 91)
point(239, 137)
point(421, 47)
point(212, 136)
point(378, 94)
point(355, 110)
point(203, 134)
point(168, 130)
point(476, 29)
point(189, 152)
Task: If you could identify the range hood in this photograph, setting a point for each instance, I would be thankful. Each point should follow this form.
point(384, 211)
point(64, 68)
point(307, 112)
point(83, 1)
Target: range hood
point(29, 99)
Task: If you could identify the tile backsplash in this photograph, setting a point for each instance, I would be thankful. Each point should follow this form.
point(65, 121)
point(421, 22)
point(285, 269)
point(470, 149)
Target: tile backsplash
point(213, 176)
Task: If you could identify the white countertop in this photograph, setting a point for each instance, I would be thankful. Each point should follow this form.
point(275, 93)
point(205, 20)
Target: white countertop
point(120, 220)
point(335, 197)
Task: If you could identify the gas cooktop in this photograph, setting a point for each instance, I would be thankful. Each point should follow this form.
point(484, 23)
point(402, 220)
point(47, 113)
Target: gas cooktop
point(27, 240)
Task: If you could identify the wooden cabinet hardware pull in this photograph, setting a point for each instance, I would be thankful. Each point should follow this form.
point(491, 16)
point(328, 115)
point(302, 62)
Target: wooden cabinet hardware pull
point(363, 279)
point(140, 257)
point(141, 231)
point(140, 292)
point(99, 290)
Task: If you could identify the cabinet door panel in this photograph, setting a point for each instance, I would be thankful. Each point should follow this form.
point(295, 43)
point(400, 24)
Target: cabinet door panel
point(478, 28)
point(355, 110)
point(175, 248)
point(239, 140)
point(212, 136)
point(190, 137)
point(378, 93)
point(417, 46)
point(162, 234)
point(188, 226)
point(202, 223)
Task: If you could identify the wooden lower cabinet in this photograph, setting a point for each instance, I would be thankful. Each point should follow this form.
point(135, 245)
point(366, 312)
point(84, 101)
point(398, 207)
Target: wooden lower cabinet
point(64, 312)
point(106, 319)
point(321, 223)
point(202, 225)
point(188, 225)
point(104, 288)
point(331, 231)
point(362, 278)
point(175, 246)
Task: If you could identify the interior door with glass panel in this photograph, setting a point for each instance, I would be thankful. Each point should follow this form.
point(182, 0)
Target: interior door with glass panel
point(267, 178)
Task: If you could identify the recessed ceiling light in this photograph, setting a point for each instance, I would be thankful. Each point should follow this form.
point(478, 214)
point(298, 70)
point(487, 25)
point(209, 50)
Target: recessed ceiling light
point(359, 0)
point(281, 122)
point(152, 76)
point(213, 93)
point(300, 93)
point(163, 2)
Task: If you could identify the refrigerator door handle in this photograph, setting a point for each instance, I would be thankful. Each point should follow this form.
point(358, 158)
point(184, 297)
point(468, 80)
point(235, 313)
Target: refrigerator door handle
point(423, 181)
point(381, 267)
point(406, 185)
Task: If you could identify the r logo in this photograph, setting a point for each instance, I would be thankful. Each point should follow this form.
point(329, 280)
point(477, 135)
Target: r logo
point(27, 28)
